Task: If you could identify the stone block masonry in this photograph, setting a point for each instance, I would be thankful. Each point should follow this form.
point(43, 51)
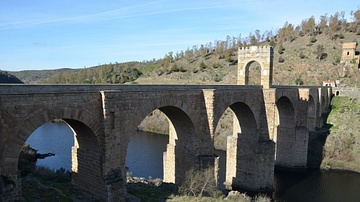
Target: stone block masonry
point(104, 116)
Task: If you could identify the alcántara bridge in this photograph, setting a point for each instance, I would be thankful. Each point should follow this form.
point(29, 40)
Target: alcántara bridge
point(271, 127)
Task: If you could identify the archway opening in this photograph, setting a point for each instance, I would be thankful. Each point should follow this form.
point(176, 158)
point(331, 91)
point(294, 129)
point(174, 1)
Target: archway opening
point(68, 155)
point(285, 133)
point(49, 153)
point(253, 73)
point(235, 138)
point(311, 120)
point(144, 158)
point(177, 145)
point(223, 130)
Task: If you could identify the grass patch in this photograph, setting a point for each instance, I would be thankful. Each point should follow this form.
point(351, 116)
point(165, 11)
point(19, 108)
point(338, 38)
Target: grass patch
point(150, 195)
point(341, 104)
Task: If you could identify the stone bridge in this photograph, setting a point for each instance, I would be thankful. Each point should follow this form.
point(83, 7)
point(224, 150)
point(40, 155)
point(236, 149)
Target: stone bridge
point(271, 127)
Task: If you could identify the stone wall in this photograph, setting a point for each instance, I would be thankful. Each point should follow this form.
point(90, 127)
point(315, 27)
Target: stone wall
point(262, 55)
point(104, 117)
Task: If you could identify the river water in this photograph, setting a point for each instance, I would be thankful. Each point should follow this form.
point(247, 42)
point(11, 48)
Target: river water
point(145, 159)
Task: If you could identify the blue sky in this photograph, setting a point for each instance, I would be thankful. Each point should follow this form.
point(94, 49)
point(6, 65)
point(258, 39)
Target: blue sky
point(49, 34)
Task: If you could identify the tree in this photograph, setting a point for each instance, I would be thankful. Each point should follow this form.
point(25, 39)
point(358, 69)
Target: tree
point(228, 54)
point(220, 49)
point(281, 59)
point(202, 51)
point(319, 51)
point(308, 26)
point(285, 33)
point(257, 36)
point(239, 41)
point(299, 81)
point(333, 25)
point(281, 49)
point(313, 39)
point(356, 16)
point(202, 66)
point(199, 183)
point(322, 24)
point(189, 55)
point(253, 40)
point(358, 31)
point(272, 43)
point(228, 43)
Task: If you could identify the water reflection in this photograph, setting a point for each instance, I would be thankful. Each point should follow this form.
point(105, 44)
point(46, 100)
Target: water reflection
point(145, 154)
point(53, 137)
point(317, 186)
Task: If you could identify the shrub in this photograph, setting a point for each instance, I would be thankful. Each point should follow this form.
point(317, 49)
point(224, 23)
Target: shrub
point(272, 43)
point(199, 183)
point(281, 49)
point(281, 59)
point(216, 65)
point(202, 66)
point(228, 54)
point(299, 82)
point(358, 31)
point(336, 61)
point(262, 198)
point(175, 68)
point(217, 78)
point(301, 55)
point(313, 39)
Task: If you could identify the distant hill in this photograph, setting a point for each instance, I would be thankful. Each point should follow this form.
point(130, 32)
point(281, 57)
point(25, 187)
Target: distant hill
point(305, 54)
point(37, 76)
point(5, 77)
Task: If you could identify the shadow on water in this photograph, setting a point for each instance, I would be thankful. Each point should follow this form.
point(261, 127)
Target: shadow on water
point(317, 185)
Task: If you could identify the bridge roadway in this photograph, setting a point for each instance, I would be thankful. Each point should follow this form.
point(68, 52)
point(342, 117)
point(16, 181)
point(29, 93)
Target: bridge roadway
point(271, 127)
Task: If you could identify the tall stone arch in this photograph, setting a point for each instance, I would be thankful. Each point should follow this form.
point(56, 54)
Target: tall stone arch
point(262, 55)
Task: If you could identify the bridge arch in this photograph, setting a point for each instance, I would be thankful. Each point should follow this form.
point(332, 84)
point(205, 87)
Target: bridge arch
point(183, 150)
point(240, 144)
point(311, 119)
point(285, 131)
point(243, 156)
point(253, 75)
point(87, 152)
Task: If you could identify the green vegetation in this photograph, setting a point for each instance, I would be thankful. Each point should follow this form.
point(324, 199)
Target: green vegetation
point(5, 77)
point(111, 73)
point(44, 184)
point(342, 145)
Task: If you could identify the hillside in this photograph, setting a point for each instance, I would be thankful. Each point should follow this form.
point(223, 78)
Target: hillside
point(5, 77)
point(299, 66)
point(304, 54)
point(37, 76)
point(342, 146)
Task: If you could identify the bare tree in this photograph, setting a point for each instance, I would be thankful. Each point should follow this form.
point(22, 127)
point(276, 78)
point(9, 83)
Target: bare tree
point(199, 183)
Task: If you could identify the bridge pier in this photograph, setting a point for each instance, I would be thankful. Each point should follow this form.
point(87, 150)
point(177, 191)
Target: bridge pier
point(251, 167)
point(292, 147)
